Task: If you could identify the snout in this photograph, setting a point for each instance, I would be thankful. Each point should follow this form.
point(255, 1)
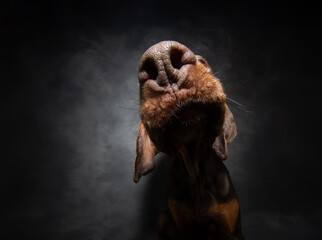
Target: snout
point(162, 62)
point(172, 77)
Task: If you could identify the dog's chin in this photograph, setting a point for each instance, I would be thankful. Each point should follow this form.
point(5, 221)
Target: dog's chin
point(188, 124)
point(189, 116)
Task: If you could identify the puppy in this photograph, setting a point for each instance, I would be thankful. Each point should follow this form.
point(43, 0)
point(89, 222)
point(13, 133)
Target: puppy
point(184, 114)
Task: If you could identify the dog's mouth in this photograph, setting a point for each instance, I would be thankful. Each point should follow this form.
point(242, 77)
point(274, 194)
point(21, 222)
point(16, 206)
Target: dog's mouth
point(193, 121)
point(190, 115)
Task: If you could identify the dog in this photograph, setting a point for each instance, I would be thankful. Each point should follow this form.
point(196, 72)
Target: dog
point(184, 114)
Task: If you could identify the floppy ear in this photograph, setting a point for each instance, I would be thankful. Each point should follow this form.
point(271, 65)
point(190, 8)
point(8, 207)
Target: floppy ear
point(226, 135)
point(145, 152)
point(230, 128)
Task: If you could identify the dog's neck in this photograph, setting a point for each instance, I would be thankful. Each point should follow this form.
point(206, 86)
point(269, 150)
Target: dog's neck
point(194, 168)
point(193, 155)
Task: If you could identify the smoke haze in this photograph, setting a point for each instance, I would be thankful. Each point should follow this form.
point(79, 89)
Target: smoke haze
point(71, 116)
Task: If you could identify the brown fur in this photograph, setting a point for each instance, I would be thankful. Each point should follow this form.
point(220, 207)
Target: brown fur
point(184, 114)
point(157, 108)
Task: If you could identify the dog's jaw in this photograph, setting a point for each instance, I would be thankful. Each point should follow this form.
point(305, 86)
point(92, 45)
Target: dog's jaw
point(199, 86)
point(183, 110)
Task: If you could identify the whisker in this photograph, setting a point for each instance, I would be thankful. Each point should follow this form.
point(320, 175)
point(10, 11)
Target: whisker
point(176, 115)
point(242, 107)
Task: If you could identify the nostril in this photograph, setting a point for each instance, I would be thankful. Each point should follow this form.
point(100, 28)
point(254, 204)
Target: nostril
point(176, 58)
point(149, 70)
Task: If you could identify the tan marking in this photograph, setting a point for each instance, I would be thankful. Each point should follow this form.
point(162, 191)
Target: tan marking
point(225, 214)
point(187, 162)
point(182, 215)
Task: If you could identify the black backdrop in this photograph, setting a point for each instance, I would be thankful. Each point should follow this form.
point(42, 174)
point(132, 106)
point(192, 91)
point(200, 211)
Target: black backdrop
point(70, 114)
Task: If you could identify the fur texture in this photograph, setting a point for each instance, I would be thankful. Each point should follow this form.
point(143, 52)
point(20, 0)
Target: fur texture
point(184, 114)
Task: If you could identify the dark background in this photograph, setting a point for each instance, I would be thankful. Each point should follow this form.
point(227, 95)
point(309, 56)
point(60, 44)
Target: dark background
point(69, 97)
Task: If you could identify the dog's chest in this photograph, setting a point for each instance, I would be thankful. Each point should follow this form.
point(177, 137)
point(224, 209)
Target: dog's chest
point(211, 184)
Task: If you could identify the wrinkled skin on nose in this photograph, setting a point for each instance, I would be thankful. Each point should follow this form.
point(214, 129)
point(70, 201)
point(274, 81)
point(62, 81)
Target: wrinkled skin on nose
point(163, 62)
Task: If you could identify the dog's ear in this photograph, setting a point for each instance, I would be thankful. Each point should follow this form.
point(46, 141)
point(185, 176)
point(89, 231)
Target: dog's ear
point(226, 136)
point(230, 128)
point(145, 152)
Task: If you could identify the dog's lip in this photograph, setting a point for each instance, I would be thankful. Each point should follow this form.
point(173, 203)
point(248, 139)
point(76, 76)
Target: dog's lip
point(190, 114)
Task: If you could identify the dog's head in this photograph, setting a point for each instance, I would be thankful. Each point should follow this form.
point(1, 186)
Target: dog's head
point(180, 102)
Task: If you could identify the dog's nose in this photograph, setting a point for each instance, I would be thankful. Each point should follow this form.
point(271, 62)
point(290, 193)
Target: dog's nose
point(162, 62)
